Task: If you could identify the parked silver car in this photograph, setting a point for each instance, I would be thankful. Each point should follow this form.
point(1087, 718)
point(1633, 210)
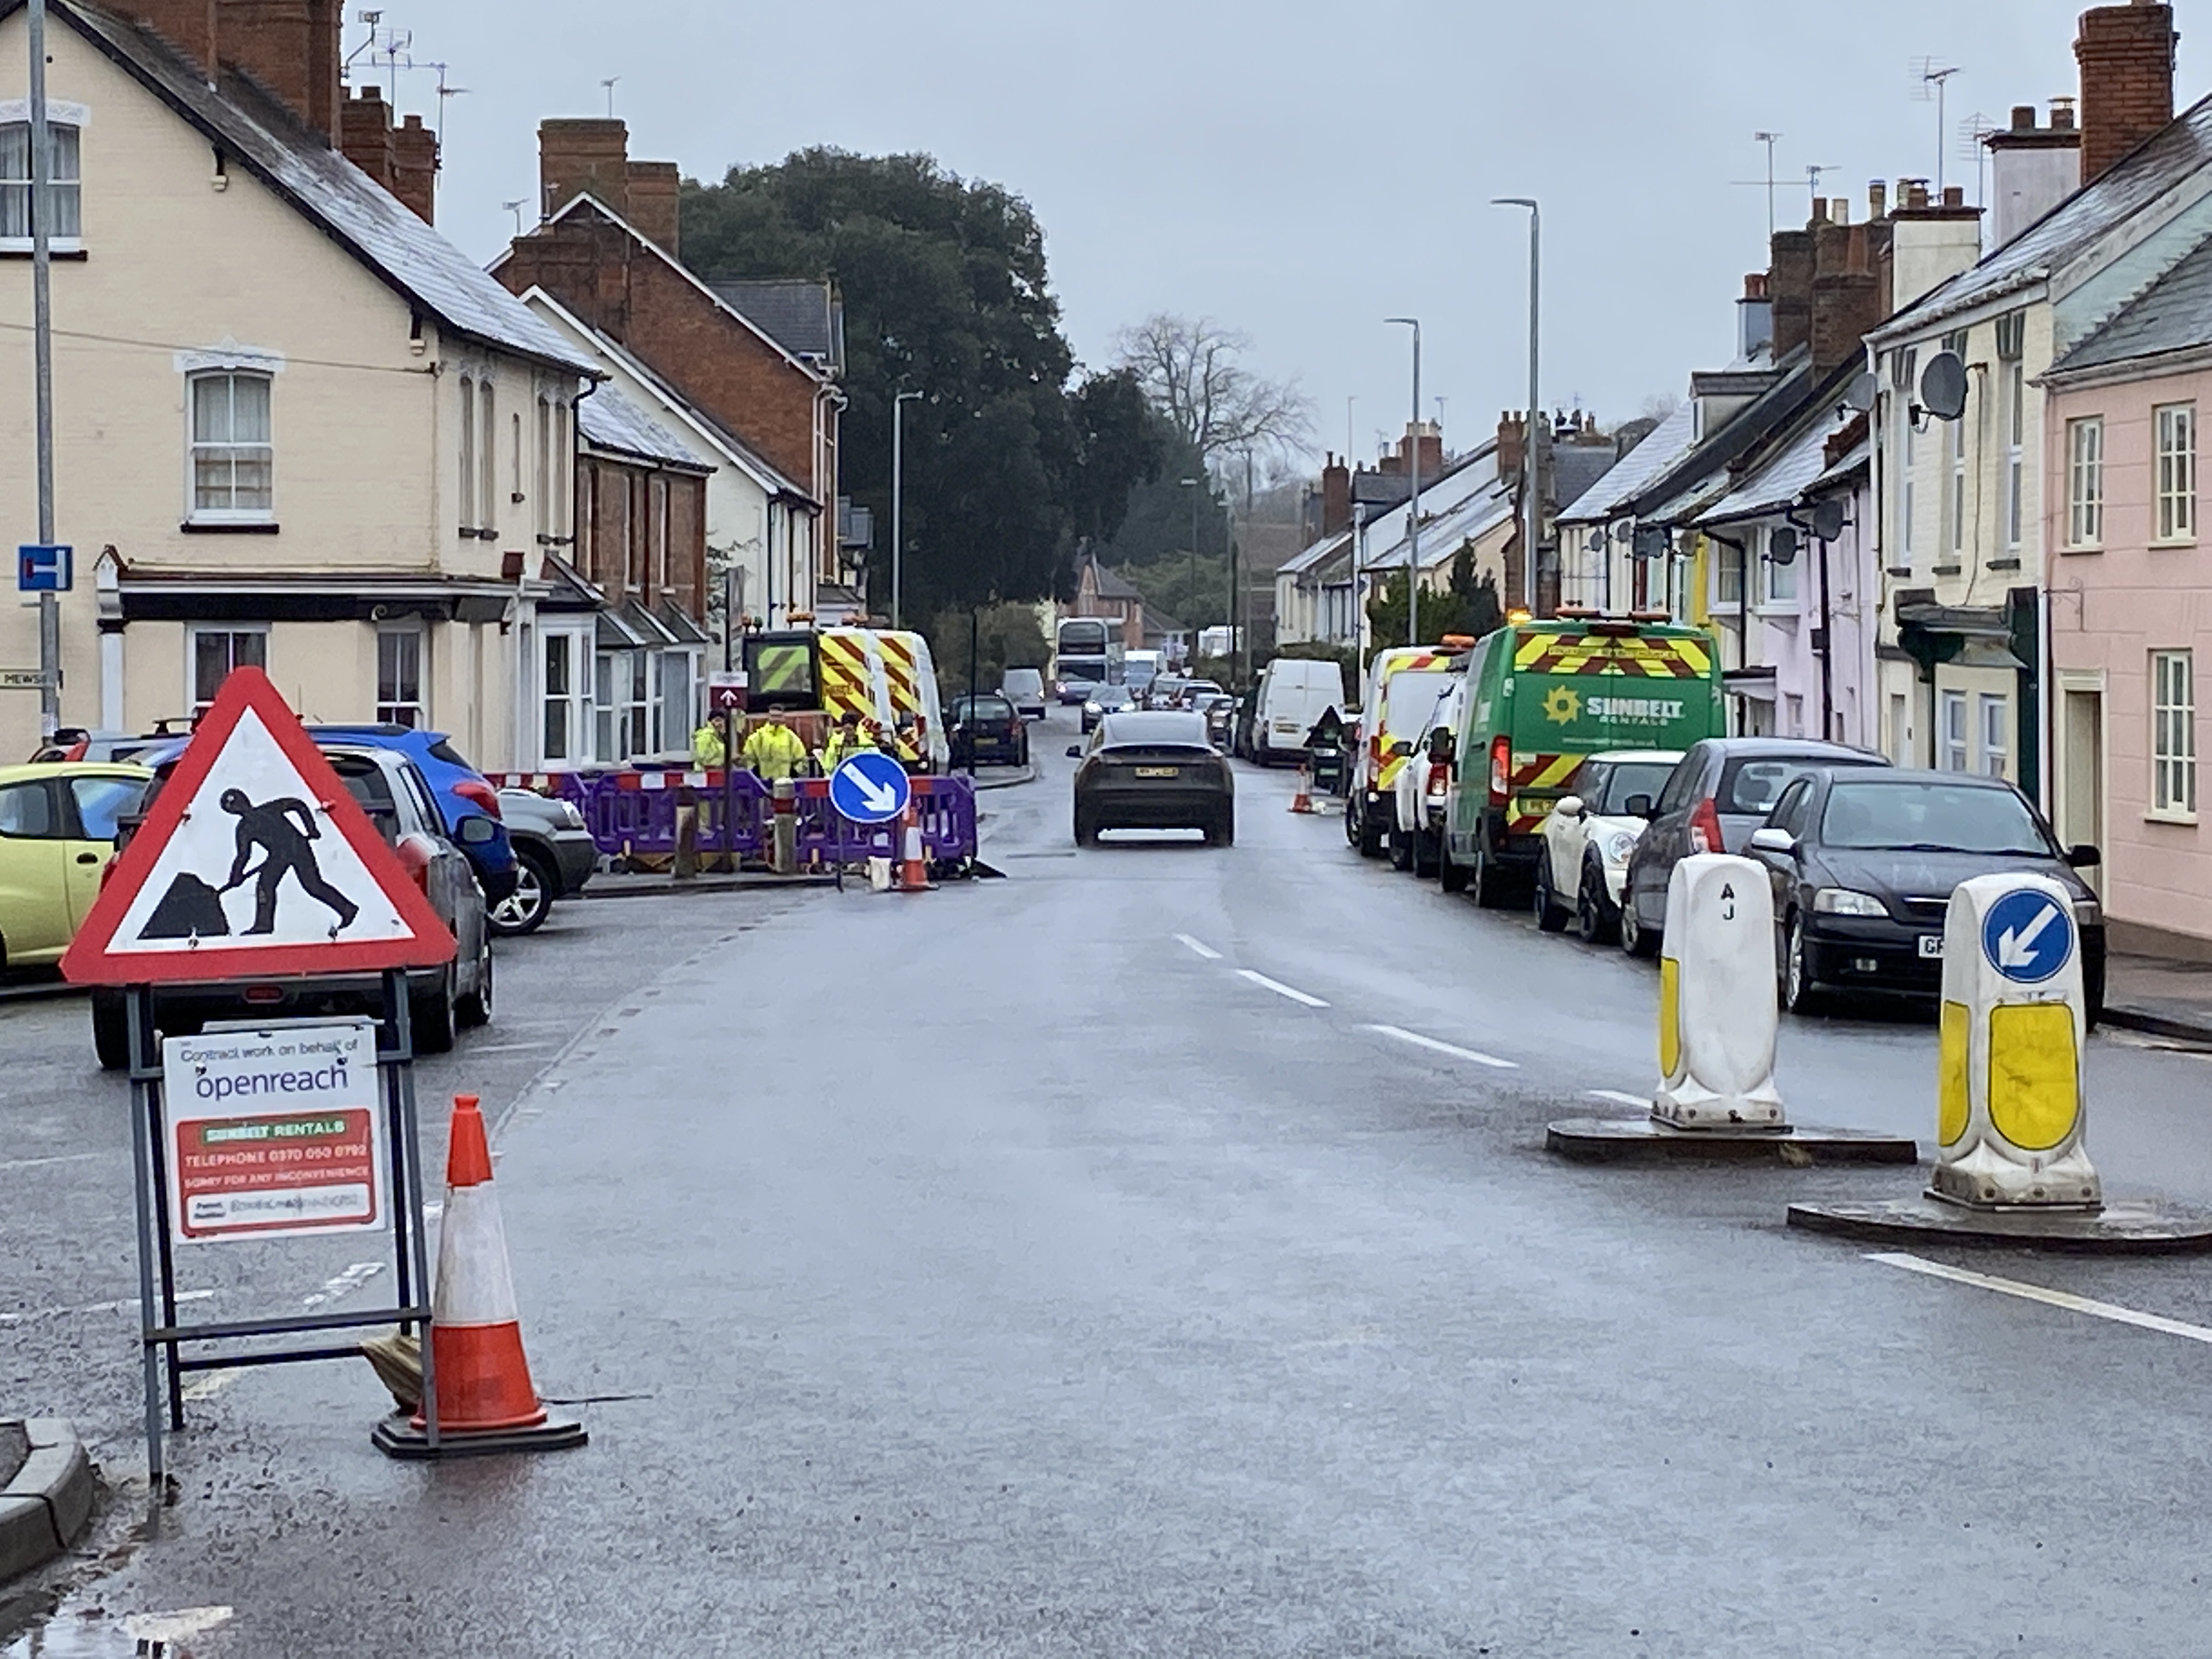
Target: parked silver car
point(554, 855)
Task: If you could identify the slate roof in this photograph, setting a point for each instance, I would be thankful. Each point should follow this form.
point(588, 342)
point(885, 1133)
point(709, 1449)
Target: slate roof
point(1577, 468)
point(2181, 148)
point(2173, 314)
point(1442, 535)
point(1702, 477)
point(354, 211)
point(1314, 557)
point(1666, 443)
point(610, 421)
point(1786, 475)
point(1109, 585)
point(801, 316)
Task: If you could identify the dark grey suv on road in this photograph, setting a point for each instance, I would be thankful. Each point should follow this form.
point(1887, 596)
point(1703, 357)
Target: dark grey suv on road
point(554, 856)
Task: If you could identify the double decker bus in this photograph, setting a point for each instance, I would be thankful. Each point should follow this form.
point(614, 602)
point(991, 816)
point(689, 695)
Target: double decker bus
point(1086, 651)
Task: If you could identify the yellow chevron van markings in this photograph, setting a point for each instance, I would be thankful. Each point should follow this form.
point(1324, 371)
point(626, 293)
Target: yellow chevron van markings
point(1627, 655)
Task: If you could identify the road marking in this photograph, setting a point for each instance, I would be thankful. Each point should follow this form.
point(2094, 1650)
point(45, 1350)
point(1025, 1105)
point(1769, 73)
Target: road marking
point(1457, 1053)
point(1206, 951)
point(208, 1384)
point(510, 1048)
point(41, 1163)
point(1281, 989)
point(2066, 1299)
point(1620, 1099)
point(11, 1320)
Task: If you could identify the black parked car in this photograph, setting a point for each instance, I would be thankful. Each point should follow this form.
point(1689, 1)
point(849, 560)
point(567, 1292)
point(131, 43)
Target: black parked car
point(1864, 865)
point(1720, 792)
point(988, 730)
point(1153, 770)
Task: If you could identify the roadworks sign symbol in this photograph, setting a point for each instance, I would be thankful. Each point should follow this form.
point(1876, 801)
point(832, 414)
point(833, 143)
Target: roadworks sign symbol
point(869, 788)
point(254, 860)
point(2028, 936)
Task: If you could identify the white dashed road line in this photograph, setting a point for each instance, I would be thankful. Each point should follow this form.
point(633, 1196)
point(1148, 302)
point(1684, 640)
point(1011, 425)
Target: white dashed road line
point(2066, 1299)
point(1206, 951)
point(208, 1384)
point(1452, 1050)
point(42, 1163)
point(1620, 1099)
point(1281, 989)
point(10, 1320)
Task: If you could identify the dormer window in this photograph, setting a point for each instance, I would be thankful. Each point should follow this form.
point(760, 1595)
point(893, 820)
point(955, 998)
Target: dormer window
point(64, 188)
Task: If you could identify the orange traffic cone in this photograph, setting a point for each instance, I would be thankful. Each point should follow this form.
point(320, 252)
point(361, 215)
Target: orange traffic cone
point(1302, 801)
point(914, 866)
point(485, 1399)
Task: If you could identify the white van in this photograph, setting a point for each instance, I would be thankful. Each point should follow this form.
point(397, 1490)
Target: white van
point(1295, 692)
point(1024, 689)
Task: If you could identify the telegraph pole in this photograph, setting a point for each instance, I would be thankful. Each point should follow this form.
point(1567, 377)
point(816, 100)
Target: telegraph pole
point(42, 337)
point(1413, 500)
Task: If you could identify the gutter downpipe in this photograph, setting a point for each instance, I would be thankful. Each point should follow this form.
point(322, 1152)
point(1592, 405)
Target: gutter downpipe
point(1827, 626)
point(1742, 609)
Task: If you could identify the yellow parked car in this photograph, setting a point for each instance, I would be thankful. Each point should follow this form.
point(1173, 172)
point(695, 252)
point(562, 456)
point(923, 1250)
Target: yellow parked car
point(57, 832)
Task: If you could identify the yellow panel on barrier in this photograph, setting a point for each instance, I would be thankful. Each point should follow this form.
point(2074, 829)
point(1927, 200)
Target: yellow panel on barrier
point(1670, 1016)
point(1954, 1101)
point(2035, 1073)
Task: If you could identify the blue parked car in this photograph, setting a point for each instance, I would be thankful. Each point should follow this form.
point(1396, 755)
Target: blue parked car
point(463, 793)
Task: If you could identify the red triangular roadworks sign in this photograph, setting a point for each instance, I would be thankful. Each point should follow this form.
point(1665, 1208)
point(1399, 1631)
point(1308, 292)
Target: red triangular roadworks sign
point(232, 876)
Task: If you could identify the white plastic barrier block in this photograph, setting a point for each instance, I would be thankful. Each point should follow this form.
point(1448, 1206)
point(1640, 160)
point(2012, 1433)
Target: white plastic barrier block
point(2011, 1117)
point(1716, 1012)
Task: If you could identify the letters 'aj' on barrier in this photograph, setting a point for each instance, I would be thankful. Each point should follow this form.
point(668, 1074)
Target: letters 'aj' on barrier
point(486, 1402)
point(2013, 1161)
point(1716, 1095)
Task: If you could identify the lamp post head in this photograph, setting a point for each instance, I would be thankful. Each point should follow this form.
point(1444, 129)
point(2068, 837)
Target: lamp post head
point(1514, 201)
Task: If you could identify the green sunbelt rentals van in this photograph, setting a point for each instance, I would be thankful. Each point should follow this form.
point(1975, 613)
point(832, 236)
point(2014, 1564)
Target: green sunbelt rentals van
point(1543, 697)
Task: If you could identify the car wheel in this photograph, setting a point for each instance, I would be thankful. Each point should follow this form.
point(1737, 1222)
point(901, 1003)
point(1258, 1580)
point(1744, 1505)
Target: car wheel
point(1488, 881)
point(1636, 939)
point(432, 1016)
point(1371, 838)
point(1424, 853)
point(1402, 850)
point(1453, 877)
point(524, 909)
point(1552, 916)
point(1351, 823)
point(1799, 995)
point(111, 1031)
point(475, 1009)
point(1224, 832)
point(1086, 832)
point(1594, 916)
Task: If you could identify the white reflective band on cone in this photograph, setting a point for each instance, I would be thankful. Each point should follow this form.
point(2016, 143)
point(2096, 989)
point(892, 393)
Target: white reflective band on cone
point(2011, 1114)
point(1717, 1014)
point(473, 1285)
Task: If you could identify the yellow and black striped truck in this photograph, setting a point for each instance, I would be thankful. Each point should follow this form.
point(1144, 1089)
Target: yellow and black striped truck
point(886, 676)
point(1543, 696)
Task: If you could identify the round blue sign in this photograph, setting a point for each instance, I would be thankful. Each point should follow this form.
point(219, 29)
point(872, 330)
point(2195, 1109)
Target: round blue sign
point(869, 788)
point(2027, 935)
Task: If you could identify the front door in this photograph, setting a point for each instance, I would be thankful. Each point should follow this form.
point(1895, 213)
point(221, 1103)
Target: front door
point(2081, 774)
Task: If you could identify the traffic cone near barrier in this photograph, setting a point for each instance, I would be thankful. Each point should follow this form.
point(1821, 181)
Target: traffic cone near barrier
point(485, 1399)
point(914, 866)
point(1302, 801)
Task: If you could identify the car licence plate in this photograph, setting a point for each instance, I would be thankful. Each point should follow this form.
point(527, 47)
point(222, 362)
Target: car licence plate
point(1931, 944)
point(1159, 771)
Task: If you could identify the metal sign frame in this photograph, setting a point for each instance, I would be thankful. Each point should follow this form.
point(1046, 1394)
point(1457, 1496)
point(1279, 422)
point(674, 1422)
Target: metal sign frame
point(160, 1330)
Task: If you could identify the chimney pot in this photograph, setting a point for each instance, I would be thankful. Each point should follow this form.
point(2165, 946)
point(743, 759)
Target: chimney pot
point(1877, 198)
point(2062, 114)
point(2023, 118)
point(1955, 196)
point(1754, 285)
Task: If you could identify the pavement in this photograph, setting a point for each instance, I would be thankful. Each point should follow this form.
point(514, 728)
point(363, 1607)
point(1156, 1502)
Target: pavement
point(2160, 996)
point(1153, 1252)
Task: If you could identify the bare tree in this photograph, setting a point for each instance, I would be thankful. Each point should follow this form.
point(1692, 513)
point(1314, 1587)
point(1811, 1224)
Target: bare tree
point(1193, 373)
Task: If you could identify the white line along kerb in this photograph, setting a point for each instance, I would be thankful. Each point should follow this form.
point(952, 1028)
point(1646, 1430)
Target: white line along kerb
point(1452, 1050)
point(1281, 989)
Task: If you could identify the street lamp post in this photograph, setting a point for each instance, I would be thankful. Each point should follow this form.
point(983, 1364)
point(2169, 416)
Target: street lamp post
point(1190, 660)
point(1535, 507)
point(1413, 500)
point(898, 500)
point(42, 326)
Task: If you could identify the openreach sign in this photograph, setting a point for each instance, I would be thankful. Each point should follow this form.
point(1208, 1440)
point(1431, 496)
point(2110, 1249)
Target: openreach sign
point(275, 1132)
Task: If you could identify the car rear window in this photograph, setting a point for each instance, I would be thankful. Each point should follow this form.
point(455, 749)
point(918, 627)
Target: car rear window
point(987, 708)
point(1932, 817)
point(1155, 730)
point(1633, 778)
point(1751, 786)
point(443, 750)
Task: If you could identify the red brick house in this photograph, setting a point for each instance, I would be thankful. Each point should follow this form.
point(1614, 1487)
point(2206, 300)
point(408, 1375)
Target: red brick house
point(606, 252)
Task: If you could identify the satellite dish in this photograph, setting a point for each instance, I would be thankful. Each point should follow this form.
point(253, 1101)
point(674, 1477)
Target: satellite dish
point(1650, 542)
point(1782, 544)
point(1597, 541)
point(1864, 391)
point(1828, 518)
point(1943, 387)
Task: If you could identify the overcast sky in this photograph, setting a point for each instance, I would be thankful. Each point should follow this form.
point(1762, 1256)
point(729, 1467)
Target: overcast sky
point(1300, 169)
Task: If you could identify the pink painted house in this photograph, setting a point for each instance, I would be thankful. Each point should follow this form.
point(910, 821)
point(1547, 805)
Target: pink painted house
point(2129, 606)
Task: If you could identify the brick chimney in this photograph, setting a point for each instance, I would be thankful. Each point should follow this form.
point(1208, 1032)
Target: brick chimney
point(415, 169)
point(1754, 317)
point(365, 133)
point(187, 26)
point(289, 48)
point(1335, 497)
point(2126, 56)
point(1431, 438)
point(583, 157)
point(1790, 290)
point(1512, 441)
point(655, 190)
point(1846, 295)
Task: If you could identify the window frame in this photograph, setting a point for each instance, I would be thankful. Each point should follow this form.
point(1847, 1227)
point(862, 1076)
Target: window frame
point(1771, 601)
point(1953, 736)
point(389, 713)
point(2172, 763)
point(195, 632)
point(2084, 483)
point(61, 116)
point(2173, 473)
point(488, 459)
point(1986, 705)
point(2015, 453)
point(468, 458)
point(234, 372)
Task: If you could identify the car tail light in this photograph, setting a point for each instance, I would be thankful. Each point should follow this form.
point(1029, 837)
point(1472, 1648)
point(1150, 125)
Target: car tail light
point(479, 794)
point(1705, 827)
point(416, 854)
point(265, 996)
point(1501, 769)
point(1440, 777)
